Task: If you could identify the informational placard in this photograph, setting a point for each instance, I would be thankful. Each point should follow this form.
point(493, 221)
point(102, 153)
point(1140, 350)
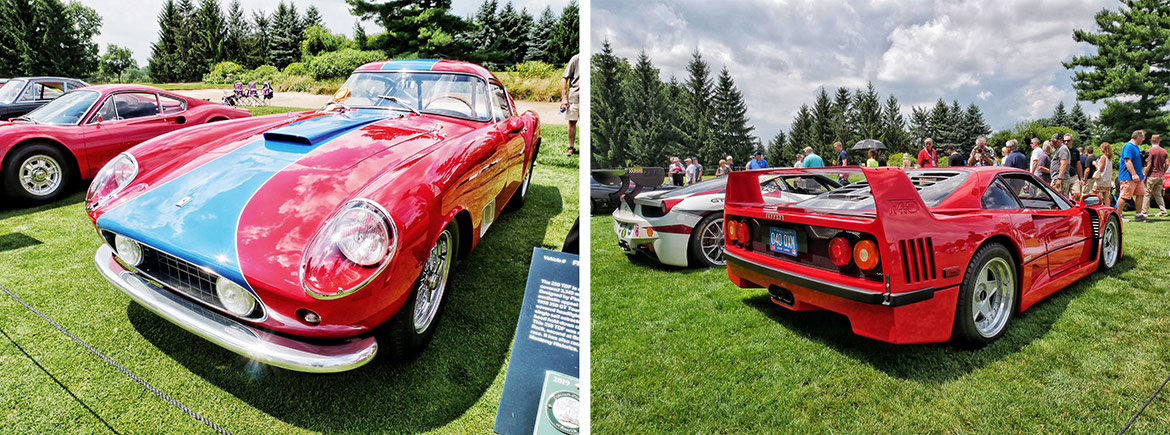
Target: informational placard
point(545, 352)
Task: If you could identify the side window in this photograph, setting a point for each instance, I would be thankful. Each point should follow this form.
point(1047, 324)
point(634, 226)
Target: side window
point(501, 108)
point(997, 197)
point(171, 105)
point(135, 105)
point(1032, 194)
point(106, 113)
point(43, 91)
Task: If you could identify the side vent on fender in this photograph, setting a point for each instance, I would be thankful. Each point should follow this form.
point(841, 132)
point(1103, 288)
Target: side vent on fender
point(1094, 239)
point(488, 218)
point(918, 259)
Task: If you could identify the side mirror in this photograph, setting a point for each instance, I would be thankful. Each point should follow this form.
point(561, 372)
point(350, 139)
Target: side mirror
point(1090, 200)
point(515, 126)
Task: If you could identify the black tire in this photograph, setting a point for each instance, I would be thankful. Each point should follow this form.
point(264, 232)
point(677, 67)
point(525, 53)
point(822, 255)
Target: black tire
point(1112, 229)
point(402, 338)
point(992, 262)
point(707, 237)
point(517, 200)
point(38, 173)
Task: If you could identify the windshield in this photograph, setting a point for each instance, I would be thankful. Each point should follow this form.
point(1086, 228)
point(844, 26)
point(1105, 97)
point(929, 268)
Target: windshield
point(457, 95)
point(11, 90)
point(65, 110)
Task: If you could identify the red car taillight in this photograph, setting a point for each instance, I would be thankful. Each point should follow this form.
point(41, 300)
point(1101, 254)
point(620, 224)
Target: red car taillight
point(865, 254)
point(742, 234)
point(731, 228)
point(840, 252)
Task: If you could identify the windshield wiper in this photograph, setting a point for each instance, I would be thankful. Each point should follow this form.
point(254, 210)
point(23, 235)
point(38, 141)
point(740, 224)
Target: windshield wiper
point(399, 102)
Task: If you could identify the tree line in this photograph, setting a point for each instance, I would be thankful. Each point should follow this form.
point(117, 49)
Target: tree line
point(47, 37)
point(193, 38)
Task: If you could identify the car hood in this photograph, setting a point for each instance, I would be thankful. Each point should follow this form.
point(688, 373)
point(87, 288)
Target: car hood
point(292, 176)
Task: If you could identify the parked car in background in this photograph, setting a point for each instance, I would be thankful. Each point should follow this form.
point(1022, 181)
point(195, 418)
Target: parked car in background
point(922, 255)
point(71, 137)
point(601, 201)
point(311, 241)
point(19, 96)
point(684, 227)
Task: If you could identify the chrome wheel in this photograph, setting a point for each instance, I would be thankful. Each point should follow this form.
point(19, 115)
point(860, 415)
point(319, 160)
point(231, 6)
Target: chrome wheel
point(711, 241)
point(40, 175)
point(527, 179)
point(993, 296)
point(1110, 243)
point(429, 291)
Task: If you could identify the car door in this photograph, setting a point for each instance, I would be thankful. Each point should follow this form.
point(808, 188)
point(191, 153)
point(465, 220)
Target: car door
point(123, 120)
point(1061, 225)
point(36, 93)
point(511, 151)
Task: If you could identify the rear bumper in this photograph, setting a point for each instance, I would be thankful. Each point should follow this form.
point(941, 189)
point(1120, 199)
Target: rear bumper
point(669, 246)
point(251, 342)
point(921, 316)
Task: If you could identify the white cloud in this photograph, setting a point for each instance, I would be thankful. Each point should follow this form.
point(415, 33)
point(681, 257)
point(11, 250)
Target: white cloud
point(984, 95)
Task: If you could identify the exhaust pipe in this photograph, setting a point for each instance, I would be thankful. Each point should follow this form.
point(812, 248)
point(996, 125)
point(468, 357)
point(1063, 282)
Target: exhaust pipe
point(781, 296)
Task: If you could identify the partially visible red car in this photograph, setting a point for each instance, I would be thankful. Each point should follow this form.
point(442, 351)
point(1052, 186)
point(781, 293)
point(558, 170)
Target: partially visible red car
point(924, 256)
point(71, 137)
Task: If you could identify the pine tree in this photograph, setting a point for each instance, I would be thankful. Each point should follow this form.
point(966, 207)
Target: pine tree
point(920, 127)
point(312, 18)
point(189, 66)
point(609, 128)
point(1079, 122)
point(210, 31)
point(940, 124)
point(514, 28)
point(166, 63)
point(775, 152)
point(360, 39)
point(258, 40)
point(485, 35)
point(564, 38)
point(955, 121)
point(284, 42)
point(800, 136)
point(867, 119)
point(539, 37)
point(644, 97)
point(842, 114)
point(823, 129)
point(893, 129)
point(235, 41)
point(696, 109)
point(1129, 67)
point(973, 125)
point(417, 28)
point(731, 133)
point(1059, 116)
point(12, 44)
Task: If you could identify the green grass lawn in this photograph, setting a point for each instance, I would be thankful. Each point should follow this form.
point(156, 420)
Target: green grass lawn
point(686, 351)
point(52, 384)
point(269, 110)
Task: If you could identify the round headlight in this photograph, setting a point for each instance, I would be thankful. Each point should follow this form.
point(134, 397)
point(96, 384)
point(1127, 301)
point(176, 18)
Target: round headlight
point(234, 298)
point(362, 236)
point(114, 176)
point(128, 250)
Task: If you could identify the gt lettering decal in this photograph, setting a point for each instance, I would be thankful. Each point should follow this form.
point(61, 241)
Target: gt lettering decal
point(902, 207)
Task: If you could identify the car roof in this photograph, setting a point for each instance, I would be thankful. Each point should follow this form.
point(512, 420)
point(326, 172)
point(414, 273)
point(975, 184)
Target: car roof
point(47, 78)
point(122, 87)
point(428, 65)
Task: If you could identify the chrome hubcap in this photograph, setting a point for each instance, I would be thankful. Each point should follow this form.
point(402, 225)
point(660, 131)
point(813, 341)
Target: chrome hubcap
point(1111, 243)
point(40, 175)
point(991, 300)
point(431, 284)
point(711, 241)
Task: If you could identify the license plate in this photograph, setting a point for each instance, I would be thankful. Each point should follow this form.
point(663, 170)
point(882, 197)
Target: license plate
point(627, 230)
point(782, 240)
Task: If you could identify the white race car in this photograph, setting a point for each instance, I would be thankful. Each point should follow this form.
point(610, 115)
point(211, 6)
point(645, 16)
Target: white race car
point(685, 226)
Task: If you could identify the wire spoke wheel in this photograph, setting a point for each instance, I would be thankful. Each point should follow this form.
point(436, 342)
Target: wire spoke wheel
point(40, 175)
point(992, 298)
point(432, 283)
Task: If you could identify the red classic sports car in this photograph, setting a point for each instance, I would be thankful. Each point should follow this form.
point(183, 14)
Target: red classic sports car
point(297, 240)
point(929, 255)
point(71, 137)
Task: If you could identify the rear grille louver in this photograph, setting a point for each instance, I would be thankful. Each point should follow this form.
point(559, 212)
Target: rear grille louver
point(1096, 222)
point(918, 259)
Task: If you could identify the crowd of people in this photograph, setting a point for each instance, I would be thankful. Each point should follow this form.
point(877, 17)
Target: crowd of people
point(1072, 170)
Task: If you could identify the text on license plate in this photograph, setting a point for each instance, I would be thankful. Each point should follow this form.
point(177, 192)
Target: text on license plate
point(782, 240)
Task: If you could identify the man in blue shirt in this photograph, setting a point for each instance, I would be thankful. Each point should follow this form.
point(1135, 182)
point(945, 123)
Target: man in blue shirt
point(1130, 175)
point(757, 161)
point(1015, 158)
point(842, 160)
point(811, 160)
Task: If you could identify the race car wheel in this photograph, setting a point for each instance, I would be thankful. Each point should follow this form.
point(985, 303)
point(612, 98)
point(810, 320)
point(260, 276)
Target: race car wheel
point(517, 200)
point(707, 242)
point(409, 331)
point(1110, 244)
point(987, 296)
point(38, 172)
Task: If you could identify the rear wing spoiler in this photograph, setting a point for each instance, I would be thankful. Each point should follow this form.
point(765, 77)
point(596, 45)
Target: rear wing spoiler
point(898, 206)
point(621, 178)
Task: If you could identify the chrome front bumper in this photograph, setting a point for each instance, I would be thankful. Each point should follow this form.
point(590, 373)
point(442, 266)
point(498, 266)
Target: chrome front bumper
point(254, 343)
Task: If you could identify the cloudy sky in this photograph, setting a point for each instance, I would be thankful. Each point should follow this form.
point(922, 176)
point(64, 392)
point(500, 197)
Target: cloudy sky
point(134, 23)
point(1004, 56)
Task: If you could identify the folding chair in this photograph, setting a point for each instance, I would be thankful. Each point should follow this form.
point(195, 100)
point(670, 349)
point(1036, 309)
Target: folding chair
point(253, 96)
point(267, 93)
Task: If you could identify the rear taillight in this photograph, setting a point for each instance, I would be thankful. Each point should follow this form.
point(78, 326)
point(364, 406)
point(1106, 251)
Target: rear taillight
point(840, 252)
point(865, 255)
point(731, 228)
point(741, 234)
point(737, 232)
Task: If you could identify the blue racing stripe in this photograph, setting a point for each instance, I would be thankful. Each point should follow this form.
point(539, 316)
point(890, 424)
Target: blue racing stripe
point(203, 230)
point(410, 64)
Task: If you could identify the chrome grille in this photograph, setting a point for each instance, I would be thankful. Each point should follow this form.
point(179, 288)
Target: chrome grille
point(179, 274)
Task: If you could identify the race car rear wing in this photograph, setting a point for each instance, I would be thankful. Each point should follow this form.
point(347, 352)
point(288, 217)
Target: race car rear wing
point(642, 177)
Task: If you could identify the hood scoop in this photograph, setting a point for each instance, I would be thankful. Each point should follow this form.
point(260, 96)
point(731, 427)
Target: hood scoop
point(314, 131)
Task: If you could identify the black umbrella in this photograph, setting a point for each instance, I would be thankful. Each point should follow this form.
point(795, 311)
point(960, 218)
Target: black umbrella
point(869, 144)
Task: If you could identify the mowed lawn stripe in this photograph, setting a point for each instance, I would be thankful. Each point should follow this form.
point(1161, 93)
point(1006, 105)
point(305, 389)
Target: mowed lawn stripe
point(684, 350)
point(453, 387)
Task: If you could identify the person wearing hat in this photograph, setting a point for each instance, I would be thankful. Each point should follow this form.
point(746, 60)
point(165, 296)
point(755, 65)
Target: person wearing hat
point(811, 159)
point(757, 161)
point(698, 170)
